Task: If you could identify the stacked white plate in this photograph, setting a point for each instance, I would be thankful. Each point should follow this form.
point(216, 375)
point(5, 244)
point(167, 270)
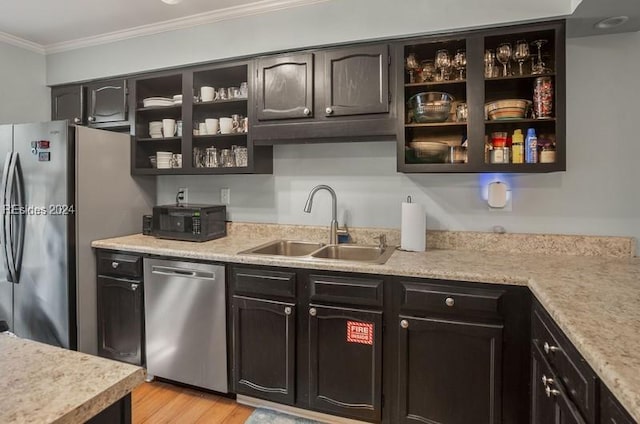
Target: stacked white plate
point(155, 129)
point(163, 160)
point(157, 101)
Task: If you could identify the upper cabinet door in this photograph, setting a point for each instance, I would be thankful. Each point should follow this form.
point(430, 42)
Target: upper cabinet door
point(68, 103)
point(357, 81)
point(285, 87)
point(107, 101)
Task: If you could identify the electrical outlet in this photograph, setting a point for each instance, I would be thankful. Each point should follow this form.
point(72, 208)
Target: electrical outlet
point(225, 196)
point(183, 195)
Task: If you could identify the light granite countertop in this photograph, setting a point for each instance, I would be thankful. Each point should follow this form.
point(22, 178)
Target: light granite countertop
point(594, 300)
point(46, 384)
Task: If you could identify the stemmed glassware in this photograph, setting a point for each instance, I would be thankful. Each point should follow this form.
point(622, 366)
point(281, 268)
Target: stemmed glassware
point(443, 62)
point(521, 53)
point(503, 54)
point(540, 67)
point(460, 62)
point(412, 66)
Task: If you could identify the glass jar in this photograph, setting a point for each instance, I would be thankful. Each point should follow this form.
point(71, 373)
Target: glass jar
point(548, 154)
point(543, 98)
point(500, 155)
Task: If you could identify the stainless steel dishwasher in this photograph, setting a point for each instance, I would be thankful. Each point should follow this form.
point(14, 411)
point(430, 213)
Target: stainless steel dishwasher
point(185, 314)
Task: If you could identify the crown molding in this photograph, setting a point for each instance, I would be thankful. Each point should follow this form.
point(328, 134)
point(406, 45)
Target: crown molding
point(233, 12)
point(22, 43)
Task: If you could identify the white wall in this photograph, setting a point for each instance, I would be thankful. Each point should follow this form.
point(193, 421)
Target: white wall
point(330, 22)
point(24, 96)
point(598, 194)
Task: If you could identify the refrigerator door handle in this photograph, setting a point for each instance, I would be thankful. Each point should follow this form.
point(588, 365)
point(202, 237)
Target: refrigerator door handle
point(5, 230)
point(18, 242)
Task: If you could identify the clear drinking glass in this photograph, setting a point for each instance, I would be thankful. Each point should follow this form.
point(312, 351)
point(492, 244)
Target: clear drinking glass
point(211, 158)
point(521, 53)
point(241, 156)
point(460, 62)
point(198, 157)
point(540, 67)
point(443, 63)
point(489, 61)
point(428, 70)
point(412, 65)
point(503, 54)
point(227, 159)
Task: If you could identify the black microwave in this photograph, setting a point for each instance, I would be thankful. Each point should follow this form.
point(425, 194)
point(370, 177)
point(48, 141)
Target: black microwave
point(189, 222)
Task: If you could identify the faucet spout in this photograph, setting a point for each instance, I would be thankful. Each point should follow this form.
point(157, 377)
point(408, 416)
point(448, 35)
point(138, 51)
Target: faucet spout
point(333, 226)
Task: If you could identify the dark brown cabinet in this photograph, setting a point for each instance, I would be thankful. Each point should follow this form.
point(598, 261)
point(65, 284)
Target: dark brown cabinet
point(107, 102)
point(285, 87)
point(449, 371)
point(120, 319)
point(68, 102)
point(264, 340)
point(345, 361)
point(342, 94)
point(611, 412)
point(356, 81)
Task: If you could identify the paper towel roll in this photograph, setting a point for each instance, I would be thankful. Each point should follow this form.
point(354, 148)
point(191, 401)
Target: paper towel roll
point(413, 229)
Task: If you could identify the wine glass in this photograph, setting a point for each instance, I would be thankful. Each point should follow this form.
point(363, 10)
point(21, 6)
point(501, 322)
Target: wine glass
point(521, 53)
point(540, 67)
point(412, 65)
point(460, 62)
point(489, 60)
point(503, 54)
point(443, 62)
point(428, 70)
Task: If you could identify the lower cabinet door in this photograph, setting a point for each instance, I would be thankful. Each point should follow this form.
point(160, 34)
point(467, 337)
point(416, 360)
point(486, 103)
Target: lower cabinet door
point(120, 318)
point(543, 406)
point(345, 362)
point(450, 372)
point(264, 349)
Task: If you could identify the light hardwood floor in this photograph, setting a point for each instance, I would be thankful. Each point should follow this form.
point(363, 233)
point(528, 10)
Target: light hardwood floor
point(157, 402)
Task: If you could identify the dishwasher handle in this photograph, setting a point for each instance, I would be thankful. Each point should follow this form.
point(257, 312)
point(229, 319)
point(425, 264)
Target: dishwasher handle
point(181, 272)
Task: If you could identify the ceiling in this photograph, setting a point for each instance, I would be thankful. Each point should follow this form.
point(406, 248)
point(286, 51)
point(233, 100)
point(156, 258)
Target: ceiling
point(49, 26)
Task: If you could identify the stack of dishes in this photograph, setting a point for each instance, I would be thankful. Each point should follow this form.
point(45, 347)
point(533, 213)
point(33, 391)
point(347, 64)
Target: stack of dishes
point(157, 102)
point(177, 99)
point(155, 129)
point(163, 160)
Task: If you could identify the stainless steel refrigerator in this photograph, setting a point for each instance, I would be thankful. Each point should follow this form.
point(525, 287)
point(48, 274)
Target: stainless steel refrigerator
point(62, 187)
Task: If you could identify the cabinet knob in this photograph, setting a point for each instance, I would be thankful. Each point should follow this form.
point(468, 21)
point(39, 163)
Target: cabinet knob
point(77, 120)
point(91, 119)
point(287, 310)
point(551, 392)
point(306, 111)
point(546, 380)
point(404, 323)
point(329, 111)
point(313, 312)
point(115, 264)
point(549, 348)
point(134, 287)
point(450, 301)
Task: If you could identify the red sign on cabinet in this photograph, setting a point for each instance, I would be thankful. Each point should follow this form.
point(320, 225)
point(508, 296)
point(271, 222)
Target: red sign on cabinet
point(360, 332)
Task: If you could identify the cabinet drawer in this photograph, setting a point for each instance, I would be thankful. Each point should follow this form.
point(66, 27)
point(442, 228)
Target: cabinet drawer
point(450, 300)
point(254, 281)
point(119, 264)
point(355, 291)
point(572, 370)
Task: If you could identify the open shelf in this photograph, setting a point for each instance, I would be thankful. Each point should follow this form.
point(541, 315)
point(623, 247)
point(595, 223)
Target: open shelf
point(155, 108)
point(148, 139)
point(435, 124)
point(520, 121)
point(519, 77)
point(214, 136)
point(434, 83)
point(220, 102)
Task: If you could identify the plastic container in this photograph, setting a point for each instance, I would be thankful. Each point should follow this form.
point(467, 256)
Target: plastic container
point(531, 146)
point(517, 147)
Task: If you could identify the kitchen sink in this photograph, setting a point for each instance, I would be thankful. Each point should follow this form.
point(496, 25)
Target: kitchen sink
point(354, 252)
point(285, 248)
point(314, 251)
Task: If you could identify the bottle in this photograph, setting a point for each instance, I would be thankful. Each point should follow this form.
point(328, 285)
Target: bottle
point(531, 146)
point(517, 147)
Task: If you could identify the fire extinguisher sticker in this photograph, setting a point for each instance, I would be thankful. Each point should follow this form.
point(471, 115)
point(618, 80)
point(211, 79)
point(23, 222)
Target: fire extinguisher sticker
point(360, 332)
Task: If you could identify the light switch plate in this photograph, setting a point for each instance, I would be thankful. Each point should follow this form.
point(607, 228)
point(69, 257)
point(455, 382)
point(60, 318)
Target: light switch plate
point(225, 196)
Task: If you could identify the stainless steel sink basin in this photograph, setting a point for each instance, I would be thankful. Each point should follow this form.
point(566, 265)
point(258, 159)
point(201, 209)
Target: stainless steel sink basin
point(354, 252)
point(285, 248)
point(314, 251)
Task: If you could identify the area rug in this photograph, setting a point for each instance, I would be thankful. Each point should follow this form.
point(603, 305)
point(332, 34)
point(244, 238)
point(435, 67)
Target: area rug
point(267, 416)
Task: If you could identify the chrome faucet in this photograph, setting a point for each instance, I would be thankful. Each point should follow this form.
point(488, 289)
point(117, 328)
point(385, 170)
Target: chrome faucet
point(333, 227)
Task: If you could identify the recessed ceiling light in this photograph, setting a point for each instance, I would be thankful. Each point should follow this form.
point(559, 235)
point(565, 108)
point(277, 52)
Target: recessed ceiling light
point(612, 22)
point(171, 1)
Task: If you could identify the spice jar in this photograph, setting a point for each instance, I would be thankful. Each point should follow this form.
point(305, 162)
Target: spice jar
point(500, 155)
point(543, 98)
point(548, 153)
